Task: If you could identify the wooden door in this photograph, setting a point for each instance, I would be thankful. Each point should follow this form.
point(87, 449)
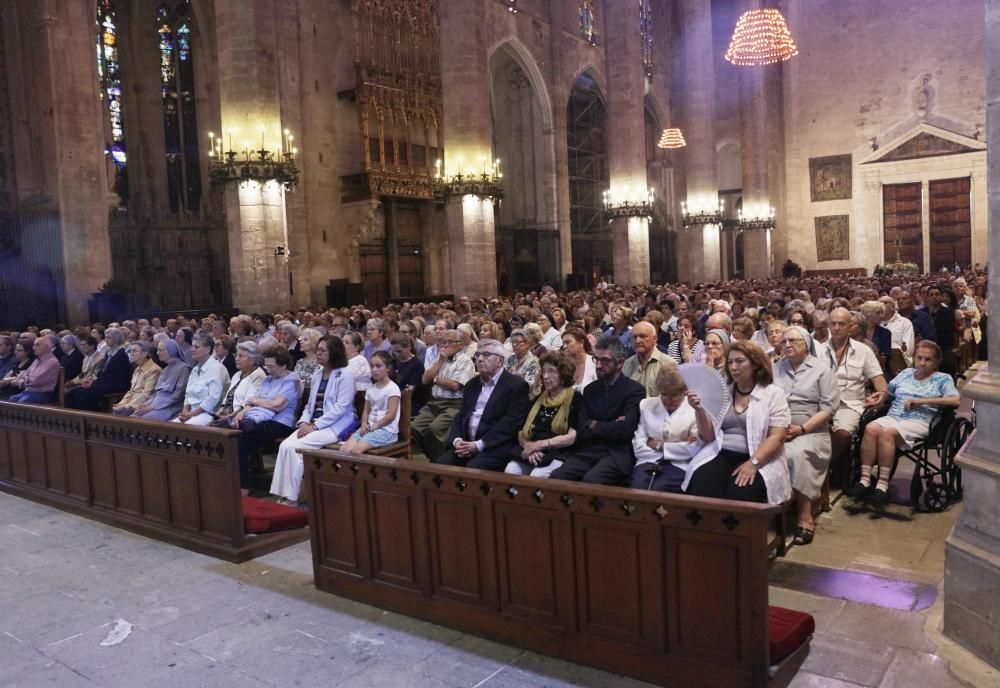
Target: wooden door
point(951, 223)
point(374, 275)
point(904, 238)
point(409, 248)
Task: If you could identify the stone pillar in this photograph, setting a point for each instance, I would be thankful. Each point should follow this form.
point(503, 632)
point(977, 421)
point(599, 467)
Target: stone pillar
point(700, 247)
point(249, 95)
point(627, 139)
point(467, 143)
point(755, 133)
point(972, 551)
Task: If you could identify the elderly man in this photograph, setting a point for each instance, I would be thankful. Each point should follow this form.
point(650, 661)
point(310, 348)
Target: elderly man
point(645, 364)
point(38, 383)
point(902, 335)
point(206, 384)
point(855, 365)
point(449, 373)
point(114, 375)
point(607, 423)
point(923, 326)
point(494, 406)
point(289, 337)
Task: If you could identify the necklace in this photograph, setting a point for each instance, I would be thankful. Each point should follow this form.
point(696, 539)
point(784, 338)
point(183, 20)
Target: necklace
point(746, 394)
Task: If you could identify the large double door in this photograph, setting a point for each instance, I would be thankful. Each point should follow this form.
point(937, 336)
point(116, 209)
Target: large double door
point(944, 225)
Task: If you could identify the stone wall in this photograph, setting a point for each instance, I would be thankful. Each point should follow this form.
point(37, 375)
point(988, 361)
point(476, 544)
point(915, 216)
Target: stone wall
point(856, 81)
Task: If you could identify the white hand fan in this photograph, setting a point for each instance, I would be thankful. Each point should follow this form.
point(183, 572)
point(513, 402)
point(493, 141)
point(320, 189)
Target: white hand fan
point(708, 385)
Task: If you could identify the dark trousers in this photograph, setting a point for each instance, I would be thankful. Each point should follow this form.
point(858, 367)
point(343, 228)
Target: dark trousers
point(495, 459)
point(599, 465)
point(254, 438)
point(716, 479)
point(658, 476)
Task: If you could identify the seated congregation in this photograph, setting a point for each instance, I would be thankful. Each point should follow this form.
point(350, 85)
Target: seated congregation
point(586, 386)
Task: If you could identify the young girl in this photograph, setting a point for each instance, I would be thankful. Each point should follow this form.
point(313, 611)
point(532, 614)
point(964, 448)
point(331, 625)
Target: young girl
point(380, 419)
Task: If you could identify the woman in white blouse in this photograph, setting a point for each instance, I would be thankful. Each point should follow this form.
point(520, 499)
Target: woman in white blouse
point(751, 466)
point(357, 364)
point(674, 429)
point(244, 384)
point(551, 338)
point(576, 345)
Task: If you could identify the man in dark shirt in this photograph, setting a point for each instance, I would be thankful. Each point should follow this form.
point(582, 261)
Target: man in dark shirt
point(409, 371)
point(7, 360)
point(608, 420)
point(944, 327)
point(923, 326)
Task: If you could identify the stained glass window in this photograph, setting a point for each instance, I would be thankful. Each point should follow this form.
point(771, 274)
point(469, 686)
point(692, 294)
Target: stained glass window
point(646, 34)
point(180, 123)
point(588, 25)
point(109, 73)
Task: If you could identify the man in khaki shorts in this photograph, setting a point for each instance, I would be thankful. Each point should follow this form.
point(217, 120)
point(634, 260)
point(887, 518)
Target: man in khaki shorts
point(855, 365)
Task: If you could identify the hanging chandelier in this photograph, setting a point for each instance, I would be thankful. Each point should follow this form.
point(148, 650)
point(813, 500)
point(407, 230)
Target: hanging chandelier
point(261, 166)
point(761, 37)
point(672, 138)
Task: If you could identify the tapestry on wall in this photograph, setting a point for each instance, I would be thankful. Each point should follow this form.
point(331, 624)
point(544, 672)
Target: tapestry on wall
point(830, 178)
point(833, 238)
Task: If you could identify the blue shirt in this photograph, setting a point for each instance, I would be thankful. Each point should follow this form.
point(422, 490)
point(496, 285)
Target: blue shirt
point(904, 386)
point(272, 388)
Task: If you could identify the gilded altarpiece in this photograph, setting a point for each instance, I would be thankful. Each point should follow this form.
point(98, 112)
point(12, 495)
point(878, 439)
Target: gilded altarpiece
point(399, 94)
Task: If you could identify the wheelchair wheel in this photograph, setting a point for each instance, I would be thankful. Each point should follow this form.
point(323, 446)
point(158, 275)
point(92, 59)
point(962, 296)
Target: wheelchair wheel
point(936, 498)
point(951, 473)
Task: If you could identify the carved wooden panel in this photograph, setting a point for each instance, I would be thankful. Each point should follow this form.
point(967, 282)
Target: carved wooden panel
point(35, 445)
point(182, 485)
point(153, 481)
point(951, 222)
point(128, 490)
point(461, 548)
point(618, 570)
point(396, 547)
point(55, 464)
point(339, 548)
point(77, 474)
point(5, 454)
point(534, 549)
point(102, 472)
point(901, 218)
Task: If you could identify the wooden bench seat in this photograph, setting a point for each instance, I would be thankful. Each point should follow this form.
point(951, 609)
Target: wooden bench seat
point(668, 589)
point(168, 481)
point(401, 449)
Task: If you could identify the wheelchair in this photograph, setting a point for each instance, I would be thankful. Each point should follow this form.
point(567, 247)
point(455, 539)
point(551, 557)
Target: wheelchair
point(934, 487)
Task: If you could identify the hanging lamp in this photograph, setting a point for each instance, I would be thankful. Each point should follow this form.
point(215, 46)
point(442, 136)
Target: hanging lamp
point(761, 37)
point(672, 138)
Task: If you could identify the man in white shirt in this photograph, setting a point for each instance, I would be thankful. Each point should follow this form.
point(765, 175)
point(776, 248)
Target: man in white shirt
point(901, 329)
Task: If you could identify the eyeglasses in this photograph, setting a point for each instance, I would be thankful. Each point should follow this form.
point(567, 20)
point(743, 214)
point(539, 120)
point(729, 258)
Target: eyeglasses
point(604, 360)
point(483, 354)
point(796, 322)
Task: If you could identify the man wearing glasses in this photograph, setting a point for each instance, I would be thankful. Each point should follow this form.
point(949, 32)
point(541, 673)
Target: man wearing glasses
point(608, 420)
point(448, 372)
point(484, 433)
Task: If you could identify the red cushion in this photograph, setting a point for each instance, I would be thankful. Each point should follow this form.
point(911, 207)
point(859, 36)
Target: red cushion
point(264, 516)
point(787, 630)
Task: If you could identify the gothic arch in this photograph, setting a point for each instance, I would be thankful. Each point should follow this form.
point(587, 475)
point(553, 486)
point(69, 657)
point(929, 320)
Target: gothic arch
point(591, 71)
point(517, 51)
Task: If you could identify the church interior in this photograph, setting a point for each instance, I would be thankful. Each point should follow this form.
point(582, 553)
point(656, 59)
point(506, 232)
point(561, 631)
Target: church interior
point(162, 157)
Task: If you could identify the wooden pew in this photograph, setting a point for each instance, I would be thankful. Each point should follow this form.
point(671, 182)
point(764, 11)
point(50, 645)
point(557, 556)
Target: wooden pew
point(665, 588)
point(171, 482)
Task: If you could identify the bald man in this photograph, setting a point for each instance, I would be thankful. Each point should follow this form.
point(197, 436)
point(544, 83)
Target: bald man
point(644, 365)
point(38, 382)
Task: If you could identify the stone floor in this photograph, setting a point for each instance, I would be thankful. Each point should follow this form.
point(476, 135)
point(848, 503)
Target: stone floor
point(84, 604)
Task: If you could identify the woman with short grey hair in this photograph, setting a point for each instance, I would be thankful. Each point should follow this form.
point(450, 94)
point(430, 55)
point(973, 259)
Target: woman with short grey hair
point(144, 379)
point(244, 384)
point(72, 360)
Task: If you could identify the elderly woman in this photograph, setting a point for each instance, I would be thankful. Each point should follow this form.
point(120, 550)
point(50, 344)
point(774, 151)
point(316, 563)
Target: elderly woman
point(328, 417)
point(534, 334)
point(270, 413)
point(717, 343)
point(550, 423)
point(673, 430)
point(576, 345)
point(307, 365)
point(813, 395)
point(774, 329)
point(144, 379)
point(879, 337)
point(551, 338)
point(184, 337)
point(751, 465)
point(225, 352)
point(917, 393)
point(376, 331)
point(360, 369)
point(168, 395)
point(621, 327)
point(686, 346)
point(91, 364)
point(470, 342)
point(72, 360)
point(244, 384)
point(523, 363)
point(743, 329)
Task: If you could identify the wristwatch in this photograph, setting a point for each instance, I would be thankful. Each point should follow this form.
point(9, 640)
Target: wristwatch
point(755, 461)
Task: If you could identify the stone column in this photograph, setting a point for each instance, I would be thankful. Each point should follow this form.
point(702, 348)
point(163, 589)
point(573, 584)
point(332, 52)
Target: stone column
point(467, 143)
point(627, 139)
point(755, 134)
point(249, 94)
point(972, 551)
point(700, 244)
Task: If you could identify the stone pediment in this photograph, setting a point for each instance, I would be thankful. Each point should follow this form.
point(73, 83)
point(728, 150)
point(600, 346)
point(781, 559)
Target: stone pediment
point(926, 141)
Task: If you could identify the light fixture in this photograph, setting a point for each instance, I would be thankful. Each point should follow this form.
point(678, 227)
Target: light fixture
point(633, 206)
point(511, 6)
point(702, 217)
point(763, 223)
point(248, 165)
point(761, 37)
point(672, 138)
point(487, 184)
